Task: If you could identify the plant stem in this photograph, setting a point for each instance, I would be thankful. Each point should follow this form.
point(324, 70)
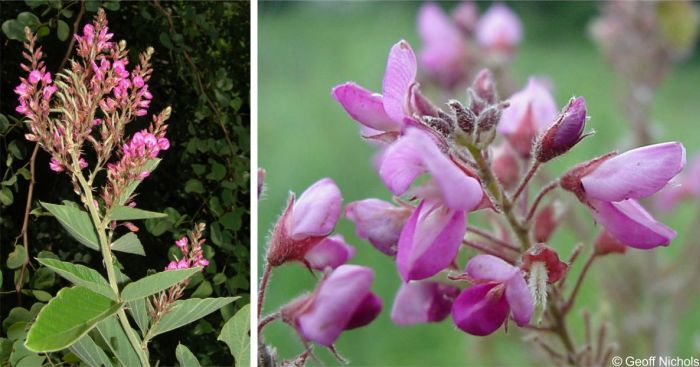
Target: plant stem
point(109, 265)
point(25, 221)
point(263, 285)
point(523, 184)
point(491, 237)
point(579, 281)
point(268, 319)
point(494, 189)
point(545, 190)
point(563, 332)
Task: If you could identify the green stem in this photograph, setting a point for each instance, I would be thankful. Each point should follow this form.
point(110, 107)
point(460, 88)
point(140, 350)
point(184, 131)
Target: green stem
point(494, 189)
point(109, 264)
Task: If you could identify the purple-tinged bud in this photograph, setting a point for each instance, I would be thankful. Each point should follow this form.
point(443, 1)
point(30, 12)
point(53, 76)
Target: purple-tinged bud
point(607, 244)
point(305, 222)
point(486, 125)
point(340, 302)
point(547, 255)
point(379, 222)
point(564, 133)
point(466, 119)
point(422, 302)
point(506, 166)
point(546, 222)
point(485, 87)
point(419, 103)
point(329, 253)
point(56, 165)
point(442, 126)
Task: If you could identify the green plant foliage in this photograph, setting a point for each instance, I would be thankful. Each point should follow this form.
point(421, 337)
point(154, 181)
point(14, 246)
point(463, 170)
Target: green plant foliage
point(155, 283)
point(115, 338)
point(185, 311)
point(81, 275)
point(236, 334)
point(129, 243)
point(76, 222)
point(128, 213)
point(89, 352)
point(70, 315)
point(185, 356)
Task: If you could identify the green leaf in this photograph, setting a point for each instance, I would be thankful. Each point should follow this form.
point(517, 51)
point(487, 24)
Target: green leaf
point(218, 171)
point(16, 314)
point(194, 186)
point(80, 275)
point(16, 258)
point(42, 296)
point(76, 222)
point(165, 40)
point(155, 283)
point(43, 278)
point(111, 5)
point(4, 123)
point(16, 149)
point(185, 311)
point(115, 337)
point(150, 165)
point(129, 243)
point(89, 352)
point(6, 196)
point(185, 357)
point(70, 315)
point(31, 361)
point(138, 311)
point(28, 19)
point(62, 30)
point(204, 290)
point(92, 5)
point(13, 29)
point(19, 351)
point(129, 213)
point(236, 334)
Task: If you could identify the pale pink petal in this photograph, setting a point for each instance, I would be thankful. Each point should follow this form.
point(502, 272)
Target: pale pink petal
point(499, 27)
point(520, 300)
point(534, 102)
point(316, 211)
point(330, 253)
point(635, 174)
point(421, 302)
point(400, 73)
point(378, 222)
point(364, 107)
point(443, 45)
point(630, 224)
point(490, 268)
point(478, 311)
point(335, 302)
point(429, 241)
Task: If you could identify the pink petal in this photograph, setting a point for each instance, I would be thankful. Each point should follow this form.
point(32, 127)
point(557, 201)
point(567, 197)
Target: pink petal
point(331, 252)
point(443, 45)
point(364, 107)
point(429, 241)
point(490, 268)
point(334, 304)
point(477, 312)
point(400, 73)
point(499, 27)
point(422, 302)
point(630, 224)
point(534, 99)
point(520, 300)
point(415, 153)
point(366, 312)
point(316, 211)
point(635, 174)
point(378, 222)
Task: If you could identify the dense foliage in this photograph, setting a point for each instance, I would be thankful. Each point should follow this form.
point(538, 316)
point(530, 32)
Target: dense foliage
point(201, 62)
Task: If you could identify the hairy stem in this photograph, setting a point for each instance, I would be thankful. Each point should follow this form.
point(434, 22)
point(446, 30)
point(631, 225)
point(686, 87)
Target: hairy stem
point(494, 189)
point(25, 223)
point(579, 281)
point(263, 285)
point(109, 263)
point(545, 190)
point(523, 184)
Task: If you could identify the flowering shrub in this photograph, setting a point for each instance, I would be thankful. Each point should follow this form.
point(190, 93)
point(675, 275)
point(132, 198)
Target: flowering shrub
point(79, 117)
point(453, 170)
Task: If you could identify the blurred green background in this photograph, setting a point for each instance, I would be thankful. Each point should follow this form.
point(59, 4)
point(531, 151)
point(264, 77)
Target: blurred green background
point(307, 48)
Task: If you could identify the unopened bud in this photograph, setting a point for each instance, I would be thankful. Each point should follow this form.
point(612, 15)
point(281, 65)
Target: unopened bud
point(486, 125)
point(546, 222)
point(607, 244)
point(546, 255)
point(466, 119)
point(506, 166)
point(440, 125)
point(564, 133)
point(420, 104)
point(485, 87)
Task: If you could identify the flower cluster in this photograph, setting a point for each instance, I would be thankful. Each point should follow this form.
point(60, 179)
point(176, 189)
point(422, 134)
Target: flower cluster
point(192, 255)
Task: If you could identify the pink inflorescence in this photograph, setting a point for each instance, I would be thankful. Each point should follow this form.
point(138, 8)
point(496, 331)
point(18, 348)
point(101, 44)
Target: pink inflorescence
point(192, 256)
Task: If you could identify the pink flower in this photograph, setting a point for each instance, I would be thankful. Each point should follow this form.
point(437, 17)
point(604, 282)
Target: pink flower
point(82, 163)
point(531, 111)
point(331, 252)
point(466, 15)
point(430, 240)
point(56, 165)
point(500, 290)
point(564, 133)
point(499, 29)
point(138, 81)
point(305, 222)
point(48, 91)
point(684, 186)
point(182, 244)
point(444, 53)
point(385, 112)
point(422, 302)
point(378, 222)
point(610, 185)
point(416, 153)
point(343, 301)
point(35, 76)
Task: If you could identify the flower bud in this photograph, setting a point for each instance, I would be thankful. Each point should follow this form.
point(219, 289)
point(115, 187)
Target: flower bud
point(485, 87)
point(422, 302)
point(486, 125)
point(329, 253)
point(607, 244)
point(466, 119)
point(419, 103)
point(465, 16)
point(564, 133)
point(378, 222)
point(547, 255)
point(305, 222)
point(546, 222)
point(506, 166)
